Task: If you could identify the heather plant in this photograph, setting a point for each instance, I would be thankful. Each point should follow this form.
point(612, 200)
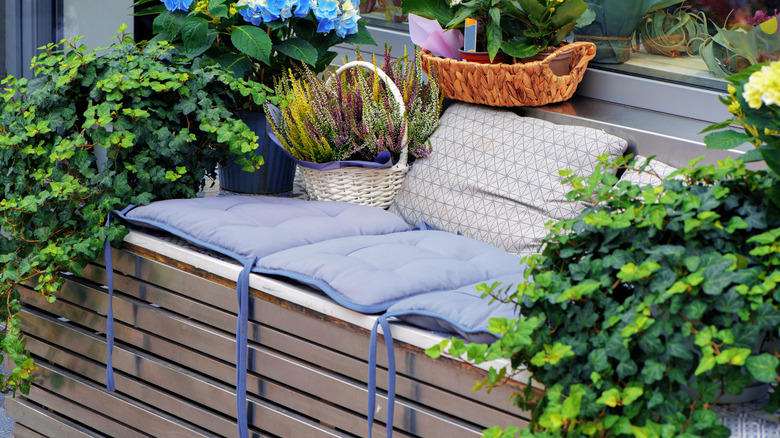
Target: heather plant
point(353, 116)
point(639, 315)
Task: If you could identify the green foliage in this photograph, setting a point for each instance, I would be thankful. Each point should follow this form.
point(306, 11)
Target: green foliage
point(354, 116)
point(162, 122)
point(649, 290)
point(519, 28)
point(673, 33)
point(757, 115)
point(215, 31)
point(732, 50)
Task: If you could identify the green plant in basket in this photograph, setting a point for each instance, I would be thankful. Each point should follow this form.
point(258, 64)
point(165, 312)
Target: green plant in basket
point(519, 28)
point(642, 313)
point(93, 132)
point(354, 116)
point(754, 102)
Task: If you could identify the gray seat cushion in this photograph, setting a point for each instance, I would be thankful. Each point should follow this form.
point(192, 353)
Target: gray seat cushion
point(370, 273)
point(254, 226)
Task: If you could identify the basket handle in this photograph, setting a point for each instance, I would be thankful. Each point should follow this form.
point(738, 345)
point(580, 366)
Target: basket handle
point(576, 47)
point(402, 160)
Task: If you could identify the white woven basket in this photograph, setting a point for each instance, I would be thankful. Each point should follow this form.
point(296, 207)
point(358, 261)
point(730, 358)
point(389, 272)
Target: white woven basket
point(372, 186)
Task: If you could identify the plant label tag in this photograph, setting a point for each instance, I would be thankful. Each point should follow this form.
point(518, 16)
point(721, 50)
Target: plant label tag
point(470, 36)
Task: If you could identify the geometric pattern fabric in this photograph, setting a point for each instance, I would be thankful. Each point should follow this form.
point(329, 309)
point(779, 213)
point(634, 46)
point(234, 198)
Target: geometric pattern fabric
point(493, 175)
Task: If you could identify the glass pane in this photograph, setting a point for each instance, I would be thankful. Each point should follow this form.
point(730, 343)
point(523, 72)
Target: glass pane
point(97, 20)
point(658, 49)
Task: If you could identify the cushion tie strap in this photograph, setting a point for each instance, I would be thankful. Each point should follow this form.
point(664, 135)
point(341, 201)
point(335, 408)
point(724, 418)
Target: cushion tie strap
point(242, 292)
point(109, 261)
point(390, 374)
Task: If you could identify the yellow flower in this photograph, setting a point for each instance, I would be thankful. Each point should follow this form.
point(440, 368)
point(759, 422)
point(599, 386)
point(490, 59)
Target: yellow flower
point(233, 10)
point(763, 87)
point(202, 5)
point(734, 107)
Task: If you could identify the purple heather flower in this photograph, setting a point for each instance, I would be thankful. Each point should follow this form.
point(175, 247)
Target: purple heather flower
point(760, 17)
point(183, 5)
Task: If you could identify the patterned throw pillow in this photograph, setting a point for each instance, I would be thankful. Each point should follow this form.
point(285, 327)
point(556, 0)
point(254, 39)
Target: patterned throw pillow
point(493, 175)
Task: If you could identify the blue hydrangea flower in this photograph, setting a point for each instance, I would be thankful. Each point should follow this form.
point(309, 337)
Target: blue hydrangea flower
point(327, 13)
point(348, 22)
point(173, 5)
point(266, 11)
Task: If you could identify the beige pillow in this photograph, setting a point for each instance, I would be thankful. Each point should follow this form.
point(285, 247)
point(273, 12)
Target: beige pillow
point(493, 175)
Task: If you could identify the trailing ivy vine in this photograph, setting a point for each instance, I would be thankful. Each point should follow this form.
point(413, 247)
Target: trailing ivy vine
point(163, 123)
point(641, 313)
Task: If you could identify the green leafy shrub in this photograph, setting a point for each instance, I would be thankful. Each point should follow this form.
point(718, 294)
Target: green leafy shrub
point(164, 124)
point(651, 290)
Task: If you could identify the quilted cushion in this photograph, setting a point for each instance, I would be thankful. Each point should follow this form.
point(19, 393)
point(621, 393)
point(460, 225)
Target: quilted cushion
point(493, 175)
point(369, 273)
point(253, 226)
point(461, 312)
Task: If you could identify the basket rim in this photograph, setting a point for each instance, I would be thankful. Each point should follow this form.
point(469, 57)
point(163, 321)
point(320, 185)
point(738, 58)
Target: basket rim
point(575, 46)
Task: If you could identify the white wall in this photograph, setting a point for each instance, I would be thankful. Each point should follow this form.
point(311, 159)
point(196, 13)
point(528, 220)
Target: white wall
point(97, 20)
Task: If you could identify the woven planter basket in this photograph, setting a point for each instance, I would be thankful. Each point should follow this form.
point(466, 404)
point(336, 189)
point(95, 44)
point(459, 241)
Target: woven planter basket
point(520, 84)
point(372, 186)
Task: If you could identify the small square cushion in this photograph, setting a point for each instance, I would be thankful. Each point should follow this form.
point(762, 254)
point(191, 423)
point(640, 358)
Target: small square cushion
point(461, 312)
point(493, 175)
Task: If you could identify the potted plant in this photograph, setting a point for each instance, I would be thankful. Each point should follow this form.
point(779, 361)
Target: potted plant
point(359, 125)
point(261, 41)
point(162, 122)
point(731, 50)
point(675, 33)
point(614, 24)
point(518, 28)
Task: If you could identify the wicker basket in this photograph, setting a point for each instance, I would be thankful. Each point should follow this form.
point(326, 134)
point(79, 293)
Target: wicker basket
point(372, 186)
point(528, 84)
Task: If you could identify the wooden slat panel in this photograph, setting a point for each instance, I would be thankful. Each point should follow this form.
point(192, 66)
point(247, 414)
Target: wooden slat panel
point(44, 422)
point(420, 392)
point(138, 368)
point(445, 373)
point(23, 432)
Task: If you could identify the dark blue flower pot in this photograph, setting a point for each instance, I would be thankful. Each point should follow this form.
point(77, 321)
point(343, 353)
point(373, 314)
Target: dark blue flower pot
point(275, 176)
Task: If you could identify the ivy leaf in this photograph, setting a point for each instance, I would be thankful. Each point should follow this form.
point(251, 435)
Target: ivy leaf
point(626, 368)
point(763, 367)
point(705, 364)
point(733, 356)
point(253, 42)
point(653, 371)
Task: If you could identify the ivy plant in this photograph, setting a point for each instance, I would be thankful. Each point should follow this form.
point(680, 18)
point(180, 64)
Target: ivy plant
point(162, 123)
point(642, 312)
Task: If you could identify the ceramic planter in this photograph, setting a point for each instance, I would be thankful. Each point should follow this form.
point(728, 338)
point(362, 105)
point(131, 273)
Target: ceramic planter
point(484, 57)
point(275, 176)
point(560, 64)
